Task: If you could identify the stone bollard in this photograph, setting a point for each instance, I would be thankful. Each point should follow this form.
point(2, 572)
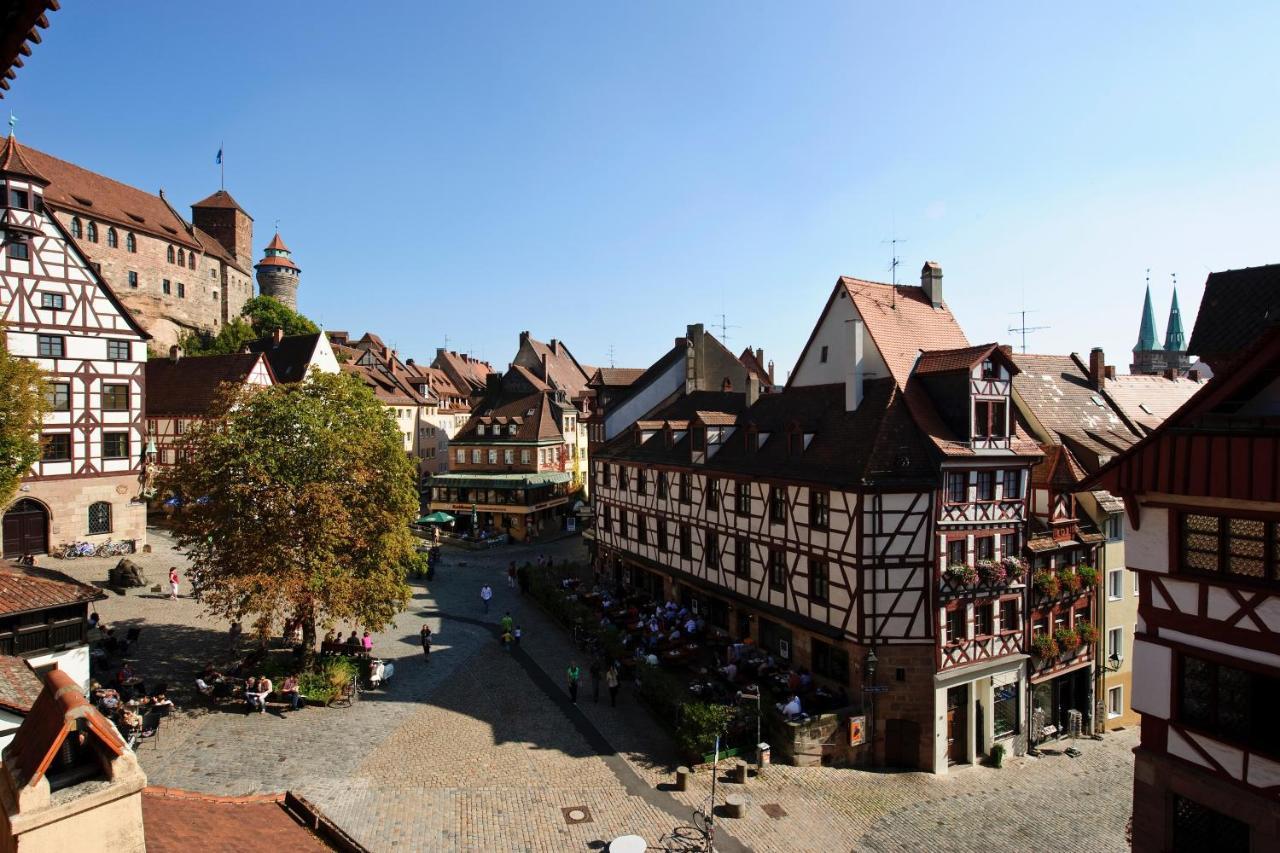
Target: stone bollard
point(682, 778)
point(738, 772)
point(735, 805)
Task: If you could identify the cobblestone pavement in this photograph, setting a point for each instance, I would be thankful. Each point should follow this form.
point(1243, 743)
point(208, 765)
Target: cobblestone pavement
point(480, 750)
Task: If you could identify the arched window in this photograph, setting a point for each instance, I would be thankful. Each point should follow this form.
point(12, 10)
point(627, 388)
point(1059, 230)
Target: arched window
point(191, 259)
point(170, 254)
point(100, 517)
point(182, 258)
point(76, 230)
point(131, 242)
point(92, 231)
point(113, 239)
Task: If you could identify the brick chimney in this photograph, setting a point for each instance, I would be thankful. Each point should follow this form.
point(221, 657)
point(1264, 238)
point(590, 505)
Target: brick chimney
point(931, 281)
point(277, 335)
point(1097, 368)
point(1109, 371)
point(771, 380)
point(696, 361)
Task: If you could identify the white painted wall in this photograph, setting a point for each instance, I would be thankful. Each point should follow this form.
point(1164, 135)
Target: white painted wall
point(1148, 547)
point(643, 402)
point(833, 333)
point(1153, 673)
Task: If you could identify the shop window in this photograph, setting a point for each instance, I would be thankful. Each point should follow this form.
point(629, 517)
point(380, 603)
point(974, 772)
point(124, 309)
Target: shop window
point(1004, 710)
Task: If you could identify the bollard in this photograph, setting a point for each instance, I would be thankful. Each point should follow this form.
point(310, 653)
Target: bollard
point(735, 805)
point(682, 778)
point(738, 772)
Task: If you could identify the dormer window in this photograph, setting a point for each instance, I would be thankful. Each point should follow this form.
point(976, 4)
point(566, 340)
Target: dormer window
point(990, 419)
point(511, 430)
point(480, 429)
point(698, 439)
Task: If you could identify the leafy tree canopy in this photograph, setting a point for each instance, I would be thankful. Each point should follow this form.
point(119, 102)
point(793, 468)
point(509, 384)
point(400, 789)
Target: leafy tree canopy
point(260, 316)
point(21, 413)
point(297, 503)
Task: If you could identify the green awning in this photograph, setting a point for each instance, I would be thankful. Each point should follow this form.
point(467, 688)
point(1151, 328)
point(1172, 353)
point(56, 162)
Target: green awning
point(436, 517)
point(500, 481)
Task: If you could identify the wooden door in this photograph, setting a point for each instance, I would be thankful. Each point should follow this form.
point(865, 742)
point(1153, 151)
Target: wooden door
point(26, 529)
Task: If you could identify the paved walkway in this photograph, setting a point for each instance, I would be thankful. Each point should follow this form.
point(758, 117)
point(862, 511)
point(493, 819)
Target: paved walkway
point(479, 749)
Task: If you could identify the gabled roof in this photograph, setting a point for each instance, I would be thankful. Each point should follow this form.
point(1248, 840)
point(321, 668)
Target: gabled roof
point(291, 357)
point(652, 373)
point(535, 415)
point(615, 377)
point(754, 367)
point(563, 370)
point(902, 321)
point(189, 386)
point(60, 709)
point(468, 374)
point(385, 386)
point(24, 589)
point(22, 22)
point(961, 358)
point(19, 685)
point(1238, 306)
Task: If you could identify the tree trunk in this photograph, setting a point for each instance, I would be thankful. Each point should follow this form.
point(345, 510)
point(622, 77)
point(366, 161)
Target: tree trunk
point(307, 615)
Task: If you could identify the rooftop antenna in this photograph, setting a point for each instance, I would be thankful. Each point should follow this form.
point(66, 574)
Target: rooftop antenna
point(724, 325)
point(446, 341)
point(894, 263)
point(611, 364)
point(1022, 328)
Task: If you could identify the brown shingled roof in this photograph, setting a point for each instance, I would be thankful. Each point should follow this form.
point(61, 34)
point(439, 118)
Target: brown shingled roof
point(27, 588)
point(902, 322)
point(947, 360)
point(1238, 306)
point(61, 708)
point(189, 386)
point(221, 199)
point(22, 22)
point(14, 162)
point(181, 821)
point(19, 685)
point(616, 377)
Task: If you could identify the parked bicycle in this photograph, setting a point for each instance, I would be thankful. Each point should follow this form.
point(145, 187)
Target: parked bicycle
point(72, 550)
point(112, 548)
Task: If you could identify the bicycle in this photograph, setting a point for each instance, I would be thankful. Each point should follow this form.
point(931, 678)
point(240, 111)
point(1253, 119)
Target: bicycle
point(694, 837)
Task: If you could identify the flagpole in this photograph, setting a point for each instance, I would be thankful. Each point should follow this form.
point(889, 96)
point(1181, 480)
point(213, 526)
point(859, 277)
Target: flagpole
point(222, 165)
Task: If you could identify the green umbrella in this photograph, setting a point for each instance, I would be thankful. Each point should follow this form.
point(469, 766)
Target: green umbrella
point(436, 517)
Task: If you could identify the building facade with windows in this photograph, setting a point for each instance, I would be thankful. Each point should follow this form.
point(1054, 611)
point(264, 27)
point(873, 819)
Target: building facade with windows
point(1202, 512)
point(877, 502)
point(58, 312)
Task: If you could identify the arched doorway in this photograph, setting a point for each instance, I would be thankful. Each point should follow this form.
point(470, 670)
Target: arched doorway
point(26, 529)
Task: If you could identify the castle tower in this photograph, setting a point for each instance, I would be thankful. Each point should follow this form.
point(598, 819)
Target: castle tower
point(278, 274)
point(1175, 342)
point(1148, 358)
point(222, 218)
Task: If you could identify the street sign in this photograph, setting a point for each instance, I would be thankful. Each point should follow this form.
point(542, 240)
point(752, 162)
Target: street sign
point(876, 688)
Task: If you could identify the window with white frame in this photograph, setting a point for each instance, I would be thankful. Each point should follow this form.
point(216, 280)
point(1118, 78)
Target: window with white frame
point(1115, 643)
point(1115, 701)
point(1115, 528)
point(462, 456)
point(1115, 584)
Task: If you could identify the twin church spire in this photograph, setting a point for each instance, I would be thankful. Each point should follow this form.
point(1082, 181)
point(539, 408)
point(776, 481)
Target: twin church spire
point(1148, 356)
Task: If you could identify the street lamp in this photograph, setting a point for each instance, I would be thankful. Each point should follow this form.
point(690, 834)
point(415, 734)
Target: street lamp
point(869, 680)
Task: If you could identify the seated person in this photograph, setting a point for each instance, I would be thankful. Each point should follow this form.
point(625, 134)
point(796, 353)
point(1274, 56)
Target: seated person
point(203, 687)
point(161, 700)
point(353, 641)
point(730, 671)
point(289, 690)
point(690, 625)
point(791, 709)
point(254, 694)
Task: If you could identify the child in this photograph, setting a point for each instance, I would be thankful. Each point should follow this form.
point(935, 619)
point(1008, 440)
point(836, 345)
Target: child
point(516, 634)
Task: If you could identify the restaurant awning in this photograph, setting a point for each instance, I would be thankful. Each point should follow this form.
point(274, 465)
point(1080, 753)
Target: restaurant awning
point(500, 481)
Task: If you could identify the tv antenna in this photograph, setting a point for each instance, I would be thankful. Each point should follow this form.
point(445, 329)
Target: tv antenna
point(894, 263)
point(724, 326)
point(1022, 328)
point(611, 364)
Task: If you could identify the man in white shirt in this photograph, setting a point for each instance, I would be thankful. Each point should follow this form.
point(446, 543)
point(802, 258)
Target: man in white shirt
point(791, 710)
point(486, 595)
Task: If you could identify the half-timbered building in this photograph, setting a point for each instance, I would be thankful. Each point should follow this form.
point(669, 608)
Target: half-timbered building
point(1202, 511)
point(818, 521)
point(58, 312)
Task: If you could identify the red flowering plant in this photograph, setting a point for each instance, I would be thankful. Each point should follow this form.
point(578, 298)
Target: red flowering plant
point(1070, 580)
point(961, 574)
point(1067, 639)
point(1014, 568)
point(1044, 647)
point(1046, 584)
point(991, 573)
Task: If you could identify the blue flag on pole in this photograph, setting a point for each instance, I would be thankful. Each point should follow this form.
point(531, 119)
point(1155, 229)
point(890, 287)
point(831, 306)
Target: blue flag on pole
point(218, 159)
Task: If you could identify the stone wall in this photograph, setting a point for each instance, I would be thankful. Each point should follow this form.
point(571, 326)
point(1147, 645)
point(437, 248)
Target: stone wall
point(909, 697)
point(68, 500)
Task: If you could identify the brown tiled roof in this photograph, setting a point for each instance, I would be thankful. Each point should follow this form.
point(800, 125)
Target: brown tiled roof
point(754, 367)
point(59, 709)
point(616, 377)
point(290, 358)
point(902, 322)
point(527, 375)
point(468, 374)
point(386, 388)
point(543, 423)
point(182, 821)
point(19, 685)
point(27, 588)
point(563, 370)
point(1237, 307)
point(221, 199)
point(1148, 400)
point(277, 244)
point(276, 261)
point(947, 360)
point(14, 162)
point(190, 386)
point(20, 22)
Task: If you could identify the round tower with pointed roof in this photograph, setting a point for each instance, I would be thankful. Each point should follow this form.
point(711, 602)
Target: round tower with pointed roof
point(278, 274)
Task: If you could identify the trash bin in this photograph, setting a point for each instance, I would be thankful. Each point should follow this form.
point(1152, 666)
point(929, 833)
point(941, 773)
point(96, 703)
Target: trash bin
point(762, 753)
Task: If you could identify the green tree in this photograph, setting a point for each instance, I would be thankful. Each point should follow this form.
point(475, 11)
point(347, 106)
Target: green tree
point(296, 503)
point(21, 413)
point(259, 317)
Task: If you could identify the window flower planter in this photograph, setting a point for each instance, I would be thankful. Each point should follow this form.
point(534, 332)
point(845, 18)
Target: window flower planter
point(1070, 580)
point(1088, 633)
point(961, 574)
point(991, 573)
point(1046, 584)
point(1044, 647)
point(1015, 568)
point(1066, 639)
point(1088, 576)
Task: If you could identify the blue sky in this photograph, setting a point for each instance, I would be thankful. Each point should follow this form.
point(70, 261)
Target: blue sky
point(606, 173)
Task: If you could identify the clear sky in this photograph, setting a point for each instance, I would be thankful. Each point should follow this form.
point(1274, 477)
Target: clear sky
point(608, 172)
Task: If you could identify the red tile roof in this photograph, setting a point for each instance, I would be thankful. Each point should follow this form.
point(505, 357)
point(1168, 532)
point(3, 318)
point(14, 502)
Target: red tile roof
point(277, 244)
point(27, 588)
point(14, 162)
point(276, 261)
point(535, 415)
point(754, 367)
point(19, 685)
point(468, 374)
point(221, 199)
point(902, 322)
point(616, 377)
point(947, 360)
point(182, 821)
point(563, 370)
point(61, 708)
point(189, 387)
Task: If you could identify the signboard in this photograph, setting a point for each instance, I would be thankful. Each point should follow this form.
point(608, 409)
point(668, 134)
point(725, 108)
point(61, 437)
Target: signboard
point(876, 688)
point(857, 730)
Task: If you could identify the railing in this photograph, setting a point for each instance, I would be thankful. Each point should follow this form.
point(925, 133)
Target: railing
point(37, 638)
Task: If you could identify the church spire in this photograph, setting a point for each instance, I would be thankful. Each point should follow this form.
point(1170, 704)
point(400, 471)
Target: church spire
point(1147, 328)
point(1174, 339)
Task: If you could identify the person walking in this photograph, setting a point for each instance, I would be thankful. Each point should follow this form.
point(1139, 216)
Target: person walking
point(611, 681)
point(233, 637)
point(173, 583)
point(511, 575)
point(507, 622)
point(486, 595)
point(595, 680)
point(575, 675)
point(426, 641)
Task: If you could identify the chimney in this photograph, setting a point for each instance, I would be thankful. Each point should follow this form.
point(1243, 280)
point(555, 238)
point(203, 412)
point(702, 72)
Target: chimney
point(1170, 373)
point(409, 363)
point(853, 376)
point(277, 335)
point(175, 353)
point(1097, 368)
point(753, 388)
point(760, 356)
point(1109, 371)
point(1193, 374)
point(696, 362)
point(545, 376)
point(931, 281)
point(524, 336)
point(771, 380)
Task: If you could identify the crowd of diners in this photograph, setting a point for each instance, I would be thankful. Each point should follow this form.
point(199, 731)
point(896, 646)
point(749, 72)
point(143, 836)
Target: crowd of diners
point(119, 691)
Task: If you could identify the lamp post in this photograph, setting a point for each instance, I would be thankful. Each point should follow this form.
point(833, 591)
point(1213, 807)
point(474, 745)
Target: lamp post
point(869, 680)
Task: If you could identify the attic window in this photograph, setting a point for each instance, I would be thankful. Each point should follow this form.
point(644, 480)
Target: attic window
point(86, 202)
point(988, 369)
point(1097, 401)
point(529, 413)
point(511, 430)
point(135, 217)
point(1144, 408)
point(170, 230)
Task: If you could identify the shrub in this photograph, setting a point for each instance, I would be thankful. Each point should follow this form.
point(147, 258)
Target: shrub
point(961, 574)
point(1067, 639)
point(997, 755)
point(1070, 580)
point(1044, 647)
point(328, 680)
point(1088, 633)
point(991, 573)
point(1088, 576)
point(700, 724)
point(1046, 584)
point(663, 691)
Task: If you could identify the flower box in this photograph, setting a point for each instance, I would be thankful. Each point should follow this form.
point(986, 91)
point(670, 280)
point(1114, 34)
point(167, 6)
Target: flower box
point(1015, 568)
point(991, 573)
point(1088, 633)
point(1066, 639)
point(1088, 576)
point(1070, 580)
point(961, 574)
point(1046, 584)
point(1044, 647)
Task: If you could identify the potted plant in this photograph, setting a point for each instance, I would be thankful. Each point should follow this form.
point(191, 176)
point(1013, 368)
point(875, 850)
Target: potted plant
point(990, 573)
point(1088, 633)
point(997, 756)
point(1046, 584)
point(961, 574)
point(1067, 640)
point(1088, 576)
point(1014, 568)
point(1070, 580)
point(1044, 647)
